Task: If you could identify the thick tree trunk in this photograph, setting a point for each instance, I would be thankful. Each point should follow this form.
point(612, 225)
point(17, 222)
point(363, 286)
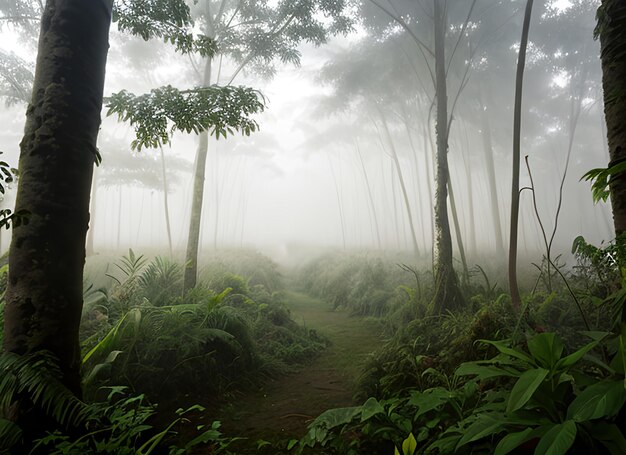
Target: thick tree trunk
point(45, 288)
point(447, 292)
point(611, 28)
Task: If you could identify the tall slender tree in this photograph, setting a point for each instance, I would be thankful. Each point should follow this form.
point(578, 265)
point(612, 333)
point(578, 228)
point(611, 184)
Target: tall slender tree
point(253, 35)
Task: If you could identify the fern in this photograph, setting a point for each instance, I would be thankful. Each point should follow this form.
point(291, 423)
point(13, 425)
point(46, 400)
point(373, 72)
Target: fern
point(37, 376)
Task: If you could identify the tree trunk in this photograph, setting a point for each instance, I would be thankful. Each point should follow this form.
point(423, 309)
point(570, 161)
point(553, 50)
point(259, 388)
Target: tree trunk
point(193, 239)
point(92, 218)
point(119, 216)
point(370, 197)
point(405, 195)
point(447, 292)
point(516, 299)
point(191, 258)
point(166, 204)
point(611, 26)
point(457, 230)
point(491, 176)
point(45, 288)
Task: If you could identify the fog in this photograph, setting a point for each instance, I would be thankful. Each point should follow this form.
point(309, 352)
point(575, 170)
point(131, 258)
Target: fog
point(301, 182)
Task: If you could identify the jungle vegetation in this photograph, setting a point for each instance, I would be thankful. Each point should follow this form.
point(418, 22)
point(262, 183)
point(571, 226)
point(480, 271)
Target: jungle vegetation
point(412, 335)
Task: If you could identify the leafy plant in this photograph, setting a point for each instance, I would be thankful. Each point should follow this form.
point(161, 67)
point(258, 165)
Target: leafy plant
point(121, 426)
point(551, 401)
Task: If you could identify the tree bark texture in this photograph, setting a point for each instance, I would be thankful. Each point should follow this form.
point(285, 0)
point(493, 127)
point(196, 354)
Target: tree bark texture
point(45, 289)
point(447, 292)
point(193, 239)
point(195, 220)
point(612, 32)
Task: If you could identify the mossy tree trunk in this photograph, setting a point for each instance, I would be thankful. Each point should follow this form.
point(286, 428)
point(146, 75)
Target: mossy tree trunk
point(447, 292)
point(612, 32)
point(45, 289)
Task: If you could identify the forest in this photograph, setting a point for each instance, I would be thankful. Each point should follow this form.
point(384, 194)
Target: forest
point(313, 227)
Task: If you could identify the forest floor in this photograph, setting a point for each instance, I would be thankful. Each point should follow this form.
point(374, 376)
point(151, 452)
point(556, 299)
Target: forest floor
point(282, 408)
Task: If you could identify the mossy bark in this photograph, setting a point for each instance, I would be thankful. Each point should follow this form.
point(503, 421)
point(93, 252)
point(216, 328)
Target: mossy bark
point(612, 32)
point(45, 288)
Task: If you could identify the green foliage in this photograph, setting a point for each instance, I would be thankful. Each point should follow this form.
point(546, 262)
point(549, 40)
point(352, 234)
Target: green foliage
point(208, 341)
point(260, 272)
point(600, 180)
point(363, 285)
point(36, 376)
point(540, 395)
point(161, 281)
point(596, 267)
point(156, 115)
point(166, 19)
point(121, 426)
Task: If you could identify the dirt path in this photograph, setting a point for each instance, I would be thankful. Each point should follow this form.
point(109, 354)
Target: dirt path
point(283, 408)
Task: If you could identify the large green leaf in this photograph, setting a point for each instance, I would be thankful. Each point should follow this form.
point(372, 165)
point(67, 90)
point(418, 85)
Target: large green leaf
point(484, 425)
point(557, 440)
point(570, 360)
point(336, 417)
point(484, 370)
point(504, 349)
point(512, 441)
point(546, 348)
point(525, 387)
point(371, 408)
point(603, 399)
point(429, 400)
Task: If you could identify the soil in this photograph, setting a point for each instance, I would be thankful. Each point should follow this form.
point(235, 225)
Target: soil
point(282, 409)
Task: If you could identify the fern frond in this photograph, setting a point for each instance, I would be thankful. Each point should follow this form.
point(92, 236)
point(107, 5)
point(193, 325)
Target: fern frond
point(37, 376)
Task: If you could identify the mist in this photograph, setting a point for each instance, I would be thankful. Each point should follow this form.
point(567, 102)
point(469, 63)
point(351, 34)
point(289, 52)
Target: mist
point(347, 226)
point(301, 180)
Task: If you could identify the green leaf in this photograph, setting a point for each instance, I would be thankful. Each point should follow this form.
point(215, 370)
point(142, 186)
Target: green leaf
point(525, 387)
point(570, 360)
point(371, 408)
point(513, 440)
point(504, 349)
point(336, 417)
point(603, 399)
point(546, 348)
point(557, 440)
point(484, 371)
point(484, 425)
point(429, 400)
point(409, 445)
